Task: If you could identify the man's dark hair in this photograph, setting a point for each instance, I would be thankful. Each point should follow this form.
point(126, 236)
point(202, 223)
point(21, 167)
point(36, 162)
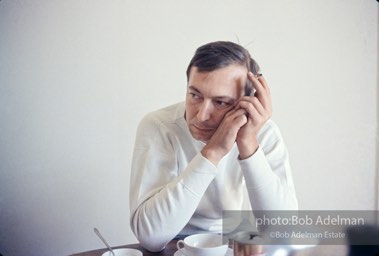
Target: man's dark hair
point(220, 54)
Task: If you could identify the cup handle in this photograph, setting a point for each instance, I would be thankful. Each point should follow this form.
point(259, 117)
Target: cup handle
point(180, 242)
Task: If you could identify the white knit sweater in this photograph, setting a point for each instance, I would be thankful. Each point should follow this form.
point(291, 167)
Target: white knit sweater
point(175, 190)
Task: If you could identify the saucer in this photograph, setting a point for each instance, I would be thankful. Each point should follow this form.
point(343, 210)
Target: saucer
point(180, 252)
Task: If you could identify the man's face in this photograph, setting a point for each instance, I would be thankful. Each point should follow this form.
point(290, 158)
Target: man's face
point(210, 95)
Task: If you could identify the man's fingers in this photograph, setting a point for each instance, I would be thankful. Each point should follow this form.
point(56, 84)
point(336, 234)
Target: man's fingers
point(238, 115)
point(255, 110)
point(259, 83)
point(263, 82)
point(252, 106)
point(262, 103)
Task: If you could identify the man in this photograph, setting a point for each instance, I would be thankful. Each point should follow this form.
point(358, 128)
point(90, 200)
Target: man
point(194, 160)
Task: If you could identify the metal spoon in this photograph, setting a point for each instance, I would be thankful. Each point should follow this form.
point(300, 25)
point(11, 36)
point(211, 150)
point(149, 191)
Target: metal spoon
point(97, 232)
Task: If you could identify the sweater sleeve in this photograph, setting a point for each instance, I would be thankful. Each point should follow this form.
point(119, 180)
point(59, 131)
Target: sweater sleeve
point(268, 173)
point(162, 197)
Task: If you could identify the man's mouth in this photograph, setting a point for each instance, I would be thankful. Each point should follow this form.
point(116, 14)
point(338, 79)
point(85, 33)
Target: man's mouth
point(203, 128)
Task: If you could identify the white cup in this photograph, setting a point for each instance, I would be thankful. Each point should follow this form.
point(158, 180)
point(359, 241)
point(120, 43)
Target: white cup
point(203, 245)
point(123, 252)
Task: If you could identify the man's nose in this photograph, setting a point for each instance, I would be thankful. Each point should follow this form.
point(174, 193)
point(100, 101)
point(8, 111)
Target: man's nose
point(205, 111)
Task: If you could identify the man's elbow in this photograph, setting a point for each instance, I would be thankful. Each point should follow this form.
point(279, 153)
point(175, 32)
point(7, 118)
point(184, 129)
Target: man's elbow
point(149, 240)
point(151, 243)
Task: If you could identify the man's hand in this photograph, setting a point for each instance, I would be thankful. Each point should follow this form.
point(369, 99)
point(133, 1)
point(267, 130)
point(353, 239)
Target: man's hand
point(225, 136)
point(258, 109)
point(241, 124)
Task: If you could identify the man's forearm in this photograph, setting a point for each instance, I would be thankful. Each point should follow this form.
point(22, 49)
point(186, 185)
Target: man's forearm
point(163, 213)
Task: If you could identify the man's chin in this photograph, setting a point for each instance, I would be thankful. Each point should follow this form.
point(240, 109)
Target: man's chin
point(201, 137)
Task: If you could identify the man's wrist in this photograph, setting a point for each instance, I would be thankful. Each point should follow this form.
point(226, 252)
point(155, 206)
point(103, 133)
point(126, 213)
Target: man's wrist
point(248, 149)
point(211, 155)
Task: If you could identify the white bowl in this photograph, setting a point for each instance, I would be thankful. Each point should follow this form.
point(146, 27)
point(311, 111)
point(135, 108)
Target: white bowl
point(123, 252)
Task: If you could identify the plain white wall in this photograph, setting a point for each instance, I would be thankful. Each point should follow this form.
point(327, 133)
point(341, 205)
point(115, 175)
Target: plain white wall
point(77, 76)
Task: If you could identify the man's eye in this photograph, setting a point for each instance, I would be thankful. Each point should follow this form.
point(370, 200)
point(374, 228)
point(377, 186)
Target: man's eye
point(222, 104)
point(194, 96)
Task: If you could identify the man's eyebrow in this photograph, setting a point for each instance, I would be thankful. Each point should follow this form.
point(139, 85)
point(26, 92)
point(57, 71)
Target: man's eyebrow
point(191, 87)
point(225, 98)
